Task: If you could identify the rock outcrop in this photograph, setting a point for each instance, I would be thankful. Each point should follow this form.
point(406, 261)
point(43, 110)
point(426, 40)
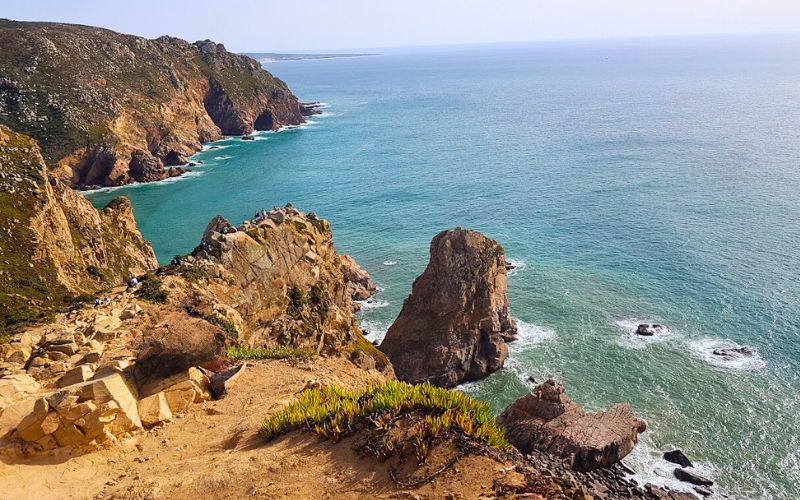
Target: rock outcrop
point(547, 420)
point(359, 283)
point(278, 280)
point(54, 245)
point(108, 109)
point(454, 326)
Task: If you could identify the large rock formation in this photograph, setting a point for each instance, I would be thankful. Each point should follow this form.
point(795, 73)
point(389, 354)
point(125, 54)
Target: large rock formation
point(279, 281)
point(110, 109)
point(549, 421)
point(54, 245)
point(454, 325)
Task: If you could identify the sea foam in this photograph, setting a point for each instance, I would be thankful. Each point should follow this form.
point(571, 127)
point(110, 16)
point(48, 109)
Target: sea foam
point(704, 349)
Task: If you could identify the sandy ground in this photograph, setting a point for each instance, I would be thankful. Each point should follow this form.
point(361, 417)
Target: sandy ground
point(214, 452)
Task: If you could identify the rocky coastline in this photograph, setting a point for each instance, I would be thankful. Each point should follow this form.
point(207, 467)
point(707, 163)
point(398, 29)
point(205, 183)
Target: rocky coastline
point(109, 109)
point(240, 369)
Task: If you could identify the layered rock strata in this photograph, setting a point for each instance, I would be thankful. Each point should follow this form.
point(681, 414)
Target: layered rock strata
point(454, 326)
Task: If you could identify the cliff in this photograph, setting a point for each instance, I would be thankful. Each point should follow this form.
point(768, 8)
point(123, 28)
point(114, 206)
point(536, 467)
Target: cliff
point(54, 245)
point(108, 109)
point(454, 326)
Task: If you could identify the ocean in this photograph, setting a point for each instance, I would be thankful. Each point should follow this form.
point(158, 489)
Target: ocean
point(647, 180)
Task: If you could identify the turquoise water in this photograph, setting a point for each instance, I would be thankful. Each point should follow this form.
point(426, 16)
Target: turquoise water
point(646, 180)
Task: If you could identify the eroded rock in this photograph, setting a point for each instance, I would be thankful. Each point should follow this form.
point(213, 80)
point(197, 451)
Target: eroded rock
point(454, 326)
point(548, 420)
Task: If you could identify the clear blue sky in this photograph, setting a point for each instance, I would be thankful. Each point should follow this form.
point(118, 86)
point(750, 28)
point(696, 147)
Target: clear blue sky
point(268, 25)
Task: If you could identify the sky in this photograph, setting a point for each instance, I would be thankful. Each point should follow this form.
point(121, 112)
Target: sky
point(267, 25)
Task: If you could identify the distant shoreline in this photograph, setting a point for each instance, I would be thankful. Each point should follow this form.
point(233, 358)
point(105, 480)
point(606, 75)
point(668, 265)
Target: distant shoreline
point(269, 57)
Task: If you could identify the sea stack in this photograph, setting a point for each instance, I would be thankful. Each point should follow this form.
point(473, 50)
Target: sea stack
point(454, 326)
point(548, 420)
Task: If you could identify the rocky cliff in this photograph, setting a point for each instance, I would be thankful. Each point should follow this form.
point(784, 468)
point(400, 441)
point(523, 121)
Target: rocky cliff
point(279, 280)
point(454, 325)
point(54, 245)
point(109, 109)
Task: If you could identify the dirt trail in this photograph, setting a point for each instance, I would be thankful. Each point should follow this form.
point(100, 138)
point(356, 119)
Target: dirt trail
point(213, 452)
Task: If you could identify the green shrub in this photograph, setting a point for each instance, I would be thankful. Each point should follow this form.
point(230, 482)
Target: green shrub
point(151, 289)
point(194, 274)
point(271, 352)
point(5, 338)
point(333, 411)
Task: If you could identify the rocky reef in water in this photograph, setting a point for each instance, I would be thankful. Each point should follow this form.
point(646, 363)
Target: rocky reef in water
point(108, 109)
point(454, 326)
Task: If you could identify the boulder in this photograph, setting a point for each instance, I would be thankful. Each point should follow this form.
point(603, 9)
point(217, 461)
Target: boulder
point(454, 326)
point(180, 390)
point(154, 410)
point(95, 351)
point(174, 345)
point(13, 414)
point(221, 382)
point(691, 477)
point(116, 389)
point(547, 420)
point(218, 224)
point(734, 352)
point(16, 387)
point(677, 457)
point(648, 330)
point(30, 428)
point(77, 375)
point(359, 283)
point(131, 312)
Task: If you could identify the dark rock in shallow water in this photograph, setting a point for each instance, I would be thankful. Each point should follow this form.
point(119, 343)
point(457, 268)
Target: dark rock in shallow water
point(734, 352)
point(706, 492)
point(248, 138)
point(510, 266)
point(690, 477)
point(677, 457)
point(648, 330)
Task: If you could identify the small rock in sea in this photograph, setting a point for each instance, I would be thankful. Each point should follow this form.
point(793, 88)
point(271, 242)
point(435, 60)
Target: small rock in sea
point(531, 379)
point(192, 164)
point(706, 492)
point(648, 330)
point(213, 147)
point(677, 457)
point(510, 266)
point(734, 352)
point(248, 138)
point(690, 477)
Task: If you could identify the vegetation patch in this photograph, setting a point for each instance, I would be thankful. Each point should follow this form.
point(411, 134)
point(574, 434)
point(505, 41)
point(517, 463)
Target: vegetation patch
point(5, 338)
point(152, 289)
point(333, 412)
point(362, 345)
point(193, 274)
point(270, 352)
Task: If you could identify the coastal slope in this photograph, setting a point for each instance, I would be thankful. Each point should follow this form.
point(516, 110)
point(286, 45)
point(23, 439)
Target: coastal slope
point(108, 109)
point(54, 245)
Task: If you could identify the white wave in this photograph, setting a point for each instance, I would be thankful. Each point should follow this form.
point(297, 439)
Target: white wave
point(519, 265)
point(215, 147)
point(372, 303)
point(389, 262)
point(632, 340)
point(375, 330)
point(649, 466)
point(704, 350)
point(134, 185)
point(529, 335)
point(223, 157)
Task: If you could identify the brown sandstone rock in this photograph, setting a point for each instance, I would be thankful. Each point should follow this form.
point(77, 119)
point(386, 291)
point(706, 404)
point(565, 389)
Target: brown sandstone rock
point(154, 410)
point(548, 420)
point(454, 325)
